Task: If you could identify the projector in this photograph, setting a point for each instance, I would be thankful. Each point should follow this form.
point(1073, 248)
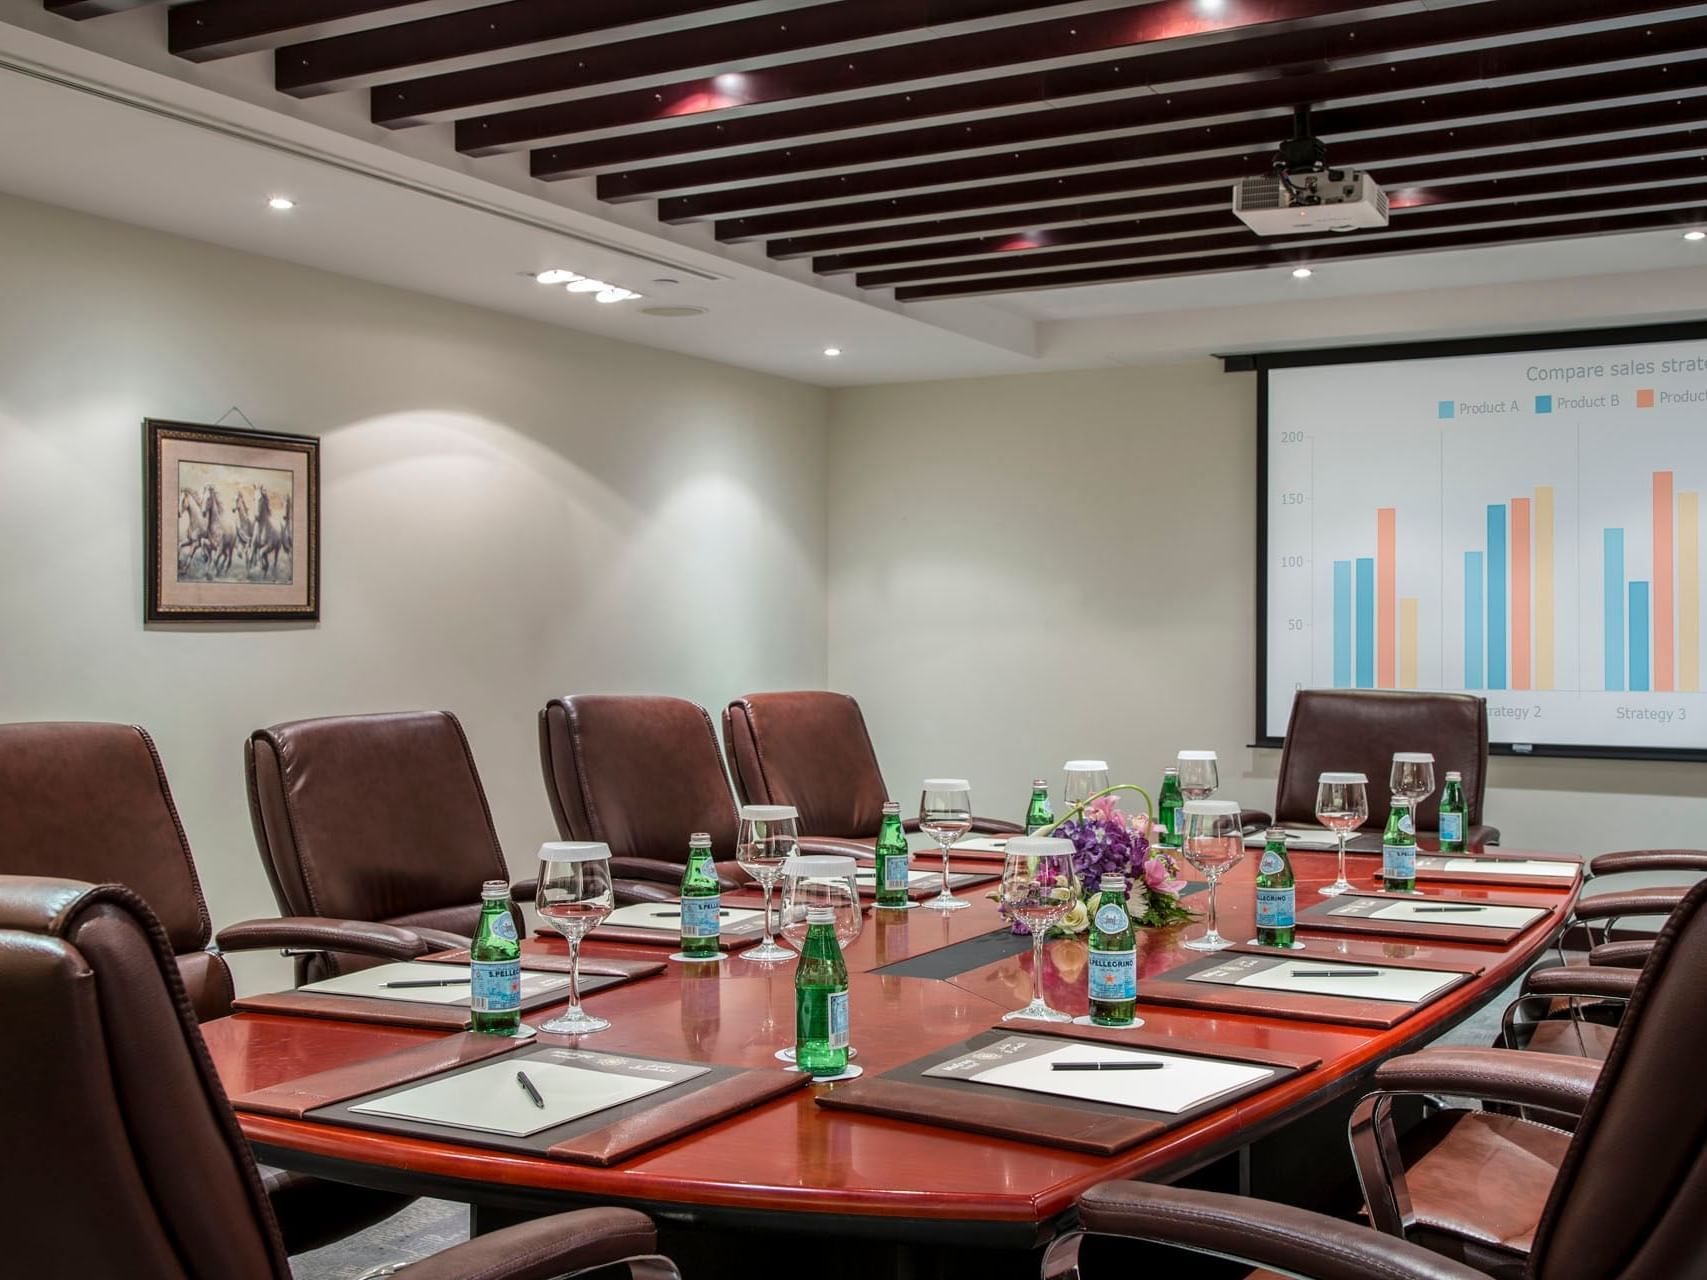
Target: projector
point(1311, 200)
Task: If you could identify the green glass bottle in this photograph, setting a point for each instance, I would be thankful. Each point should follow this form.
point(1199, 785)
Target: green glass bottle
point(1112, 967)
point(821, 998)
point(1169, 801)
point(1038, 814)
point(702, 902)
point(495, 965)
point(1453, 816)
point(1399, 850)
point(1277, 899)
point(891, 870)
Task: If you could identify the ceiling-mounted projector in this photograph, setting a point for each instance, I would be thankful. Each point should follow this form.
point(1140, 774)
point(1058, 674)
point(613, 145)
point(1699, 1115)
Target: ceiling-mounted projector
point(1304, 194)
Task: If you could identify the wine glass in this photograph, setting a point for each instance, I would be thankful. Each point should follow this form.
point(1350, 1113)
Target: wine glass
point(574, 896)
point(945, 814)
point(818, 880)
point(1038, 888)
point(1214, 843)
point(1199, 774)
point(768, 836)
point(1342, 805)
point(1412, 780)
point(1084, 779)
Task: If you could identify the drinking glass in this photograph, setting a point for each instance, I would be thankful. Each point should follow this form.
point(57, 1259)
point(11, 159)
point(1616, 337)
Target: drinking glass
point(1342, 805)
point(1412, 779)
point(574, 896)
point(819, 880)
point(1214, 843)
point(945, 814)
point(1199, 774)
point(768, 836)
point(1084, 779)
point(1038, 888)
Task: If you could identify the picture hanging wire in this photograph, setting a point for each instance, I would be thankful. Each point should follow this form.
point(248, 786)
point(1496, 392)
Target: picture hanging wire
point(234, 409)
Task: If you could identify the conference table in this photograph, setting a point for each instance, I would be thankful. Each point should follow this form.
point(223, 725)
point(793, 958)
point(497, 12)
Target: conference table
point(792, 1167)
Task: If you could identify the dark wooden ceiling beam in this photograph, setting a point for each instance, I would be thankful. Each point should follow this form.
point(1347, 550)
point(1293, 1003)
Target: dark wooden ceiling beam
point(1407, 223)
point(1447, 112)
point(1116, 37)
point(1056, 126)
point(81, 9)
point(203, 30)
point(1664, 117)
point(1503, 33)
point(1360, 248)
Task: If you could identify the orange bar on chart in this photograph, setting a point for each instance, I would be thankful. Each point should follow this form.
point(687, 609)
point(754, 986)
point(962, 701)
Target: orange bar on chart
point(1520, 616)
point(1386, 596)
point(1689, 592)
point(1408, 643)
point(1664, 671)
point(1544, 586)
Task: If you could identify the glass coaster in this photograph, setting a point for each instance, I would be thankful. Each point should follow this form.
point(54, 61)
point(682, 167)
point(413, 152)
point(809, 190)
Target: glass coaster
point(852, 1073)
point(683, 958)
point(787, 1055)
point(1084, 1020)
point(891, 906)
point(1296, 946)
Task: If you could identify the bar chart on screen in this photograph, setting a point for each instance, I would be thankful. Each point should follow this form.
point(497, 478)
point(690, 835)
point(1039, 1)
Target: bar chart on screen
point(1523, 526)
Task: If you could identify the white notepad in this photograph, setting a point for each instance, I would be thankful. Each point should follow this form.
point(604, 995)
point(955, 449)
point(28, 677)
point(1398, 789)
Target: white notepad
point(1297, 838)
point(1485, 917)
point(866, 875)
point(1181, 1085)
point(981, 844)
point(371, 983)
point(666, 917)
point(490, 1098)
point(1511, 867)
point(1411, 986)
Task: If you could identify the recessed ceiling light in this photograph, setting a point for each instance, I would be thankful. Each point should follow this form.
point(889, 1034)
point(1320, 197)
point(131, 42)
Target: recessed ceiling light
point(832, 351)
point(1695, 235)
point(575, 282)
point(1209, 6)
point(281, 203)
point(1302, 273)
point(557, 275)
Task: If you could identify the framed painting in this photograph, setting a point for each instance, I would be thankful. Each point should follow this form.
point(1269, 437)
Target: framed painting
point(232, 524)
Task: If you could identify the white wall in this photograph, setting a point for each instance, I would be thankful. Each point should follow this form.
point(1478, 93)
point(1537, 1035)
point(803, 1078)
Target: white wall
point(510, 511)
point(1089, 541)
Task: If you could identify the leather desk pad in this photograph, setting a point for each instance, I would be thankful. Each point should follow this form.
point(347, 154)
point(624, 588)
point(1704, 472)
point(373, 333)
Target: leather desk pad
point(538, 962)
point(744, 934)
point(604, 1138)
point(930, 888)
point(1431, 869)
point(1318, 916)
point(398, 1013)
point(1073, 1124)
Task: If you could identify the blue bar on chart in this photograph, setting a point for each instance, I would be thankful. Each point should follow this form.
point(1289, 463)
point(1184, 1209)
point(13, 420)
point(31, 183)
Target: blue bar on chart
point(1473, 639)
point(1638, 637)
point(1366, 622)
point(1613, 608)
point(1342, 624)
point(1496, 564)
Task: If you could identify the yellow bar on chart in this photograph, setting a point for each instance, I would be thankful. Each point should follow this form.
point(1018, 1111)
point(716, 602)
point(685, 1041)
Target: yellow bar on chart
point(1543, 589)
point(1689, 592)
point(1408, 643)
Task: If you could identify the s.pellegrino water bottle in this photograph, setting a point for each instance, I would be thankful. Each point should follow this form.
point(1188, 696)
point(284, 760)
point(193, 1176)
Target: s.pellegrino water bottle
point(891, 871)
point(1452, 814)
point(495, 965)
point(1277, 902)
point(1038, 814)
point(1169, 802)
point(1399, 850)
point(1113, 958)
point(821, 998)
point(702, 901)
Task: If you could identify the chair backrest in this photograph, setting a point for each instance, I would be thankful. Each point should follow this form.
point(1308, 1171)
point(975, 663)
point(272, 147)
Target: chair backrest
point(1632, 1193)
point(809, 749)
point(376, 817)
point(90, 802)
point(122, 1156)
point(1358, 730)
point(641, 774)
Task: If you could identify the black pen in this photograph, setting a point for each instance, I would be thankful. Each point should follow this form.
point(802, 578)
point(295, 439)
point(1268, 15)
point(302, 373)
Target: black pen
point(1448, 908)
point(430, 982)
point(1336, 973)
point(1106, 1066)
point(678, 913)
point(522, 1079)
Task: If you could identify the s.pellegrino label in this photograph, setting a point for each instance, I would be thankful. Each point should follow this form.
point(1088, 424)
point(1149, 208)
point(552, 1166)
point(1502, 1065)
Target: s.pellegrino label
point(1277, 902)
point(836, 1006)
point(821, 998)
point(1112, 968)
point(701, 901)
point(1399, 851)
point(1452, 814)
point(891, 854)
point(495, 965)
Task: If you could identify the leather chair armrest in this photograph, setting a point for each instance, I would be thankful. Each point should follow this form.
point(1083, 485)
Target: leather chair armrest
point(656, 869)
point(524, 890)
point(562, 1244)
point(1494, 1075)
point(1661, 900)
point(837, 845)
point(1253, 820)
point(1581, 980)
point(996, 827)
point(910, 825)
point(1480, 836)
point(322, 933)
point(440, 939)
point(1621, 957)
point(628, 891)
point(1261, 1233)
point(1612, 864)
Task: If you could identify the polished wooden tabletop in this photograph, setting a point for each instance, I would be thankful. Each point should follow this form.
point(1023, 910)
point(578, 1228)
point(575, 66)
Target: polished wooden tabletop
point(792, 1156)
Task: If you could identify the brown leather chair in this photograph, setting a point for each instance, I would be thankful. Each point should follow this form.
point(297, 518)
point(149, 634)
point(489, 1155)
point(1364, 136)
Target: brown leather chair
point(1621, 1199)
point(811, 749)
point(123, 1157)
point(641, 774)
point(91, 802)
point(376, 828)
point(1358, 730)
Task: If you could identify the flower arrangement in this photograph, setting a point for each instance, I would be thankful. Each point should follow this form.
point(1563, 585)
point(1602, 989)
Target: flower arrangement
point(1108, 841)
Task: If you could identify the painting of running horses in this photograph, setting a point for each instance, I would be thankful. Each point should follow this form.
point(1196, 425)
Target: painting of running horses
point(233, 524)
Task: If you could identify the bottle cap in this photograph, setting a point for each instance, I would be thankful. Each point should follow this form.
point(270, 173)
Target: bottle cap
point(1343, 779)
point(1197, 755)
point(813, 866)
point(1040, 784)
point(820, 915)
point(1216, 807)
point(1413, 757)
point(1037, 846)
point(700, 840)
point(891, 806)
point(1274, 835)
point(768, 812)
point(495, 889)
point(1171, 769)
point(1452, 775)
point(1086, 766)
point(947, 784)
point(573, 851)
point(1112, 884)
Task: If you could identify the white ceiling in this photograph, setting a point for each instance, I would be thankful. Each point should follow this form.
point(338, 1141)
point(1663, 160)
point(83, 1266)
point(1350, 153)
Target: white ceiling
point(96, 117)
